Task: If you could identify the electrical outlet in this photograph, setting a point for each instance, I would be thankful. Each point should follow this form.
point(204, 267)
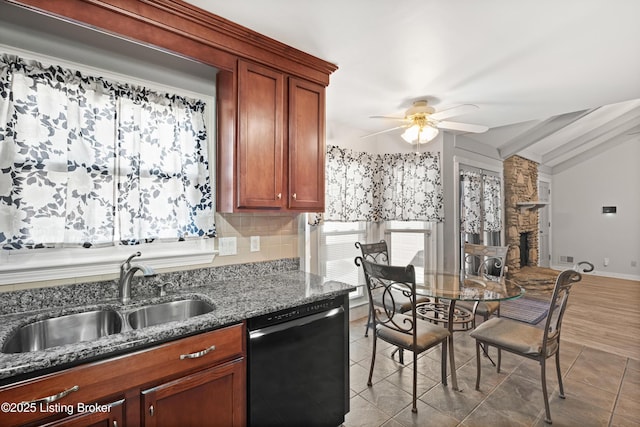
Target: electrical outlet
point(255, 243)
point(606, 262)
point(634, 263)
point(227, 246)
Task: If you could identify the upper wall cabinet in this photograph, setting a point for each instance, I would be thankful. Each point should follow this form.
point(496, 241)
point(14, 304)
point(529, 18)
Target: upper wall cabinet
point(279, 157)
point(259, 155)
point(306, 145)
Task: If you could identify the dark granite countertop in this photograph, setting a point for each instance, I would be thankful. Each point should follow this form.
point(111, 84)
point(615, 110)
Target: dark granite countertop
point(235, 299)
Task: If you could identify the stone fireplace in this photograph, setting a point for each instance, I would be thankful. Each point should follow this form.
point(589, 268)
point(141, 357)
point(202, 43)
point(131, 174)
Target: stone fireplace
point(521, 185)
point(521, 222)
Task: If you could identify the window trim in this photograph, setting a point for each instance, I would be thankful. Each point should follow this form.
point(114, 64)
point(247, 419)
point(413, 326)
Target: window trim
point(64, 263)
point(359, 295)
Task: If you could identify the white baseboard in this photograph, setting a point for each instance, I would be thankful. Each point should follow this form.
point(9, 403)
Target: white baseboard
point(602, 273)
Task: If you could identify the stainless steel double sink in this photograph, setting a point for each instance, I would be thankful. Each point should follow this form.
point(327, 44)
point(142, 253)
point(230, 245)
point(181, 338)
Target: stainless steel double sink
point(91, 325)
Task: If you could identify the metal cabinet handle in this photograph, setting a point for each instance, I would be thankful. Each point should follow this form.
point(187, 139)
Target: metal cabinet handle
point(198, 353)
point(295, 197)
point(54, 397)
point(279, 196)
point(151, 410)
point(115, 423)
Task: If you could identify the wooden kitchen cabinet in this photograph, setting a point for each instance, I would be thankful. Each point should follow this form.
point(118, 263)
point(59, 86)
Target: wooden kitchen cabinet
point(260, 152)
point(279, 155)
point(212, 397)
point(306, 145)
point(196, 370)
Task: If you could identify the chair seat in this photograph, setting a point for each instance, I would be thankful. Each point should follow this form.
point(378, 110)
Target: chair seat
point(485, 309)
point(428, 334)
point(402, 302)
point(510, 335)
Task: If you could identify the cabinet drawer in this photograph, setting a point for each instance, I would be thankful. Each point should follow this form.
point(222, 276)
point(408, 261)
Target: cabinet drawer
point(96, 381)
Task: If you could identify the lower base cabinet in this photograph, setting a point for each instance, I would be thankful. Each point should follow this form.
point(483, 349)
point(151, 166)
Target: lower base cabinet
point(212, 397)
point(194, 381)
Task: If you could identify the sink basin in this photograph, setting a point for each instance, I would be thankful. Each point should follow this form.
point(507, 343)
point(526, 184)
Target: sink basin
point(168, 312)
point(68, 329)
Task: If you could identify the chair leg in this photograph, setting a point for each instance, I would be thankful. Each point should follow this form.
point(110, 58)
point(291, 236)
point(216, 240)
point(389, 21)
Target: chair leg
point(559, 374)
point(400, 352)
point(543, 373)
point(366, 331)
point(443, 363)
point(499, 361)
point(373, 358)
point(485, 348)
point(414, 409)
point(452, 363)
point(478, 367)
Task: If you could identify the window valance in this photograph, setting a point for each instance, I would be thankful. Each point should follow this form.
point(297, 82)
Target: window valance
point(370, 187)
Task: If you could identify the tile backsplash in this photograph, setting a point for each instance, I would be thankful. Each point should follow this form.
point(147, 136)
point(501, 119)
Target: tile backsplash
point(278, 236)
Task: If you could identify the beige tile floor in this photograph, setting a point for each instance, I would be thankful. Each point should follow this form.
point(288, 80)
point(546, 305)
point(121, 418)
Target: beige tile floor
point(602, 389)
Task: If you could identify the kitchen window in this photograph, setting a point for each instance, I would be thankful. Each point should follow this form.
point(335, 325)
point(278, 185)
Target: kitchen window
point(410, 242)
point(91, 162)
point(337, 253)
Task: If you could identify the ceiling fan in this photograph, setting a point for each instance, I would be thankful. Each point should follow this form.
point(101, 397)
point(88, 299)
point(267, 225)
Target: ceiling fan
point(422, 122)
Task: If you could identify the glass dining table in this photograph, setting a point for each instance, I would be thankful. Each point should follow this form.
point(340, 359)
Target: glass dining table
point(445, 289)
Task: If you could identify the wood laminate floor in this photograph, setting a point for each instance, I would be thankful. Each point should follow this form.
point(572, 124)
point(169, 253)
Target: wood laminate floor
point(604, 313)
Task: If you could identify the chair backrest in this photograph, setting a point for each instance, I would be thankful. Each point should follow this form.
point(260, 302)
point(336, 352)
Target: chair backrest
point(558, 305)
point(487, 261)
point(374, 252)
point(391, 278)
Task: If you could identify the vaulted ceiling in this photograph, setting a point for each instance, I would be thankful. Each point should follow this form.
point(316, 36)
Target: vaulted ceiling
point(555, 81)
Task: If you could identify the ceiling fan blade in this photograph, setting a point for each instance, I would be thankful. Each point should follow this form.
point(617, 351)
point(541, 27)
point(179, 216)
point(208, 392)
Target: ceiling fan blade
point(454, 111)
point(388, 118)
point(464, 127)
point(383, 131)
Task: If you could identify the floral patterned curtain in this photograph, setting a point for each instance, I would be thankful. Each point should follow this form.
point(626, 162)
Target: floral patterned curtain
point(411, 189)
point(86, 162)
point(368, 187)
point(471, 215)
point(492, 203)
point(481, 202)
point(350, 185)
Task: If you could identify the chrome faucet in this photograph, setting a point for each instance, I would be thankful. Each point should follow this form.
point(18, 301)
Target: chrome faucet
point(127, 271)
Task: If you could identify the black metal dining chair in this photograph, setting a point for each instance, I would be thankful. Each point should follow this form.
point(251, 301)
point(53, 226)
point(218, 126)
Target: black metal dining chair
point(404, 331)
point(379, 253)
point(489, 263)
point(528, 340)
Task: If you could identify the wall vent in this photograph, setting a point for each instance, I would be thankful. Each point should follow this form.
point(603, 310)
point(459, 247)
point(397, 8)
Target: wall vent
point(566, 259)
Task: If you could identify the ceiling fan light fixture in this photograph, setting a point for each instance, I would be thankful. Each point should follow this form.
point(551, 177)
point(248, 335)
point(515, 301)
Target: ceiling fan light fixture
point(419, 134)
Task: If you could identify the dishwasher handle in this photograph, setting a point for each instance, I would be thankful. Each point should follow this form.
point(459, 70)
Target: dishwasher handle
point(257, 333)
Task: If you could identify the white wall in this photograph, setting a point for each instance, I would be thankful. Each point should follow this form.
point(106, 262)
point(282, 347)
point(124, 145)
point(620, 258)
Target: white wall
point(611, 178)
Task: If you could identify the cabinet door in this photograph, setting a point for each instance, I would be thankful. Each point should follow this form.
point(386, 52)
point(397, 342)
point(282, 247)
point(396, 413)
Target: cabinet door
point(260, 137)
point(109, 415)
point(306, 145)
point(213, 397)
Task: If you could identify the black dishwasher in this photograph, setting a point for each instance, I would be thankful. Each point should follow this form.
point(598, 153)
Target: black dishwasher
point(298, 366)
